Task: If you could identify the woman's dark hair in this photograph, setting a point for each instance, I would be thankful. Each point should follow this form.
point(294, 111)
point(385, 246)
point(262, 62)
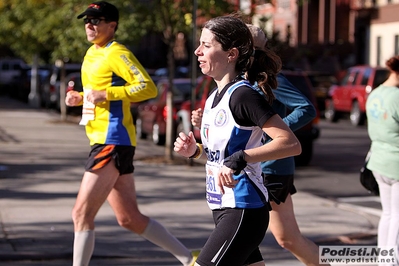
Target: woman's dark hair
point(393, 64)
point(264, 69)
point(260, 66)
point(231, 33)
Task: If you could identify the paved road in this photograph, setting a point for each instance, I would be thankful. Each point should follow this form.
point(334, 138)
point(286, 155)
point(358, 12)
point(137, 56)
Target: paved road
point(334, 170)
point(41, 164)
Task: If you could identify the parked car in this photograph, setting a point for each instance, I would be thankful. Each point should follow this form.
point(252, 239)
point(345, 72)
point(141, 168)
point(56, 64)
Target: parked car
point(10, 68)
point(350, 96)
point(205, 85)
point(12, 75)
point(321, 82)
point(20, 87)
point(306, 135)
point(51, 90)
point(43, 77)
point(151, 114)
point(162, 73)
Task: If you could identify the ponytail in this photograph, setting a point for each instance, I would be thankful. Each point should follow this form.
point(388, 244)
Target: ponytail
point(263, 71)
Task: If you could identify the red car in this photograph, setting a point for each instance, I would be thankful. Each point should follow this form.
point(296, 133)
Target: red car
point(204, 86)
point(151, 114)
point(350, 96)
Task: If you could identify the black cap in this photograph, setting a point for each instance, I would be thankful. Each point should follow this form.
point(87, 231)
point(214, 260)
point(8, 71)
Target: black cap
point(101, 9)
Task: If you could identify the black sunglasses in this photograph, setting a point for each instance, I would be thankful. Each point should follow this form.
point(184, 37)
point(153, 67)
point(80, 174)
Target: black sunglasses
point(93, 21)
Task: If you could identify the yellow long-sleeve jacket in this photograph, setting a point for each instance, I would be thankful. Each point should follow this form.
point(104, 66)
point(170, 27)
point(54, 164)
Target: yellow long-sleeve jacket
point(115, 69)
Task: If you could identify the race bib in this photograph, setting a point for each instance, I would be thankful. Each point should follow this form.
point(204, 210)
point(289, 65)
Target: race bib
point(214, 197)
point(88, 113)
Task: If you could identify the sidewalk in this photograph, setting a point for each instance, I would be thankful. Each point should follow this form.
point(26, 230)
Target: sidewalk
point(41, 164)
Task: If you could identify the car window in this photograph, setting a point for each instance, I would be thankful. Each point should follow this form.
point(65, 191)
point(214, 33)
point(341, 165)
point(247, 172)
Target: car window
point(56, 72)
point(366, 76)
point(70, 71)
point(11, 66)
point(353, 79)
point(380, 76)
point(16, 67)
point(350, 77)
point(345, 79)
point(42, 74)
point(182, 91)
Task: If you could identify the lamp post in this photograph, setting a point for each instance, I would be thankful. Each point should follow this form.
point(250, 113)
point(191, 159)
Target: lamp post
point(34, 97)
point(61, 64)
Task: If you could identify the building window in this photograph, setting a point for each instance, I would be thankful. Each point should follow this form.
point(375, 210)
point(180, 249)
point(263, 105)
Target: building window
point(396, 44)
point(378, 51)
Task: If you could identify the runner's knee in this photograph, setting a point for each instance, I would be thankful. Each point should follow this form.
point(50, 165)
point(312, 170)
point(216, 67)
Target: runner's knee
point(81, 220)
point(136, 224)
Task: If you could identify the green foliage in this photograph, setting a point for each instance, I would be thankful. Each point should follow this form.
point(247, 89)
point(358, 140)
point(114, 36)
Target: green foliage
point(51, 29)
point(40, 27)
point(170, 17)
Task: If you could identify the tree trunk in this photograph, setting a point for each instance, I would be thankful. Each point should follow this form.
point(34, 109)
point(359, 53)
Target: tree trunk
point(169, 105)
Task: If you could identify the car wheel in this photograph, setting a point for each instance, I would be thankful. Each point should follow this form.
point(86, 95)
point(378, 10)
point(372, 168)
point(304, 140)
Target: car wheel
point(139, 130)
point(305, 157)
point(357, 117)
point(157, 138)
point(330, 114)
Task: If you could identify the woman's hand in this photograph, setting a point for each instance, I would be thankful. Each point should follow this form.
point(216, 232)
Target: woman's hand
point(185, 145)
point(196, 117)
point(225, 178)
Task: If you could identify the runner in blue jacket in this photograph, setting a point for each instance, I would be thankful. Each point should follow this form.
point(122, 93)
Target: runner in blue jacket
point(296, 111)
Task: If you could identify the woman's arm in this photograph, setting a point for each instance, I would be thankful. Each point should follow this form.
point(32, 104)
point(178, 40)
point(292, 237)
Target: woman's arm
point(301, 110)
point(284, 143)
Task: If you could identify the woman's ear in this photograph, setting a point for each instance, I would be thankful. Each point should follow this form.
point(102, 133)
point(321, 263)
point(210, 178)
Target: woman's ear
point(233, 54)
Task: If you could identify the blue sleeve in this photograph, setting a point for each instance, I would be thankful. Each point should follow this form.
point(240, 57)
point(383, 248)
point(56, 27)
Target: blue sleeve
point(300, 110)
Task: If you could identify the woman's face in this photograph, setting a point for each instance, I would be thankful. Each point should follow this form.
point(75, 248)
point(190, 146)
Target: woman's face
point(211, 57)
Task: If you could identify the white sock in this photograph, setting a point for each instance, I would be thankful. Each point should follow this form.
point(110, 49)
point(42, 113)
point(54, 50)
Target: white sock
point(161, 237)
point(83, 247)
